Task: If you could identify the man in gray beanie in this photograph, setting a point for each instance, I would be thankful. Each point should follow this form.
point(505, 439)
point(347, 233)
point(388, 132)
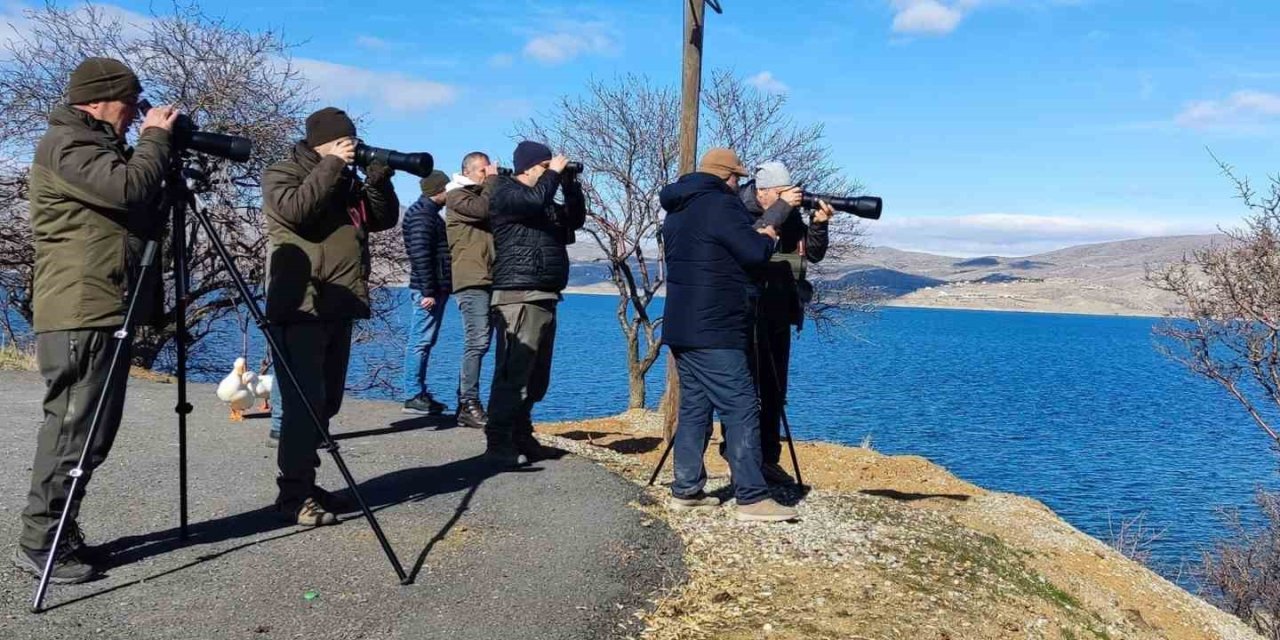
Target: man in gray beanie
point(774, 200)
point(430, 282)
point(92, 198)
point(319, 216)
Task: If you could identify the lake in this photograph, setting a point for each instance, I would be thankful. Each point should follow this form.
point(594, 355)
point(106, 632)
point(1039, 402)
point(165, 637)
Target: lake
point(1080, 412)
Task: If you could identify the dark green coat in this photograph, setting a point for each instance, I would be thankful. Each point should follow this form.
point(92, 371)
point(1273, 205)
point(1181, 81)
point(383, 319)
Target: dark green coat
point(319, 217)
point(89, 193)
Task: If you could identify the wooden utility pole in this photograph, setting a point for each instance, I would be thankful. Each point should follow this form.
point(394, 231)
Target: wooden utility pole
point(690, 98)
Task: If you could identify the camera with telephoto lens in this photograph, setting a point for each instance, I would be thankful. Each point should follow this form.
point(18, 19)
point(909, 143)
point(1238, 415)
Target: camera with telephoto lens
point(571, 168)
point(868, 207)
point(187, 136)
point(419, 164)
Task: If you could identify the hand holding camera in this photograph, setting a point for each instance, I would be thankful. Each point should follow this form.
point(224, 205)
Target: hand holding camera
point(343, 148)
point(823, 212)
point(792, 196)
point(160, 117)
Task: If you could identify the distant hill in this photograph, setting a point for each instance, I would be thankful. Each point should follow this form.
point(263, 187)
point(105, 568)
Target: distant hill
point(1104, 278)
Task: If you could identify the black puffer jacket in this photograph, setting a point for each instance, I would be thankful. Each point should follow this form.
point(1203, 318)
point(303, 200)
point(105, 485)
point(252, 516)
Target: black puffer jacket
point(531, 231)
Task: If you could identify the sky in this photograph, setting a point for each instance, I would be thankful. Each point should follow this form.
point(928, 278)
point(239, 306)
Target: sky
point(1005, 127)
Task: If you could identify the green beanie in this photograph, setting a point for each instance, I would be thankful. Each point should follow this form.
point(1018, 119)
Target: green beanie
point(433, 184)
point(102, 79)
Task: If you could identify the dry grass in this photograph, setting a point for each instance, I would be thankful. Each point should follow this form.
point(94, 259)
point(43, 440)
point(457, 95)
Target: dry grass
point(17, 358)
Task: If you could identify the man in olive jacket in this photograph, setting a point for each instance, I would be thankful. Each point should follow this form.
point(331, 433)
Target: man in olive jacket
point(471, 252)
point(319, 217)
point(91, 199)
point(530, 269)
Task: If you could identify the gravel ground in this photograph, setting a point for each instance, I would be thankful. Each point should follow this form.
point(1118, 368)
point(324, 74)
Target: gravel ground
point(553, 551)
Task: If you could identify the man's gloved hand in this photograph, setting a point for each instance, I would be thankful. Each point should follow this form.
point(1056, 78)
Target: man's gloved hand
point(378, 174)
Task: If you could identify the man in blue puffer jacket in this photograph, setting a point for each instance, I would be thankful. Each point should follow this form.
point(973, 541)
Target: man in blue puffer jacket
point(711, 250)
point(430, 281)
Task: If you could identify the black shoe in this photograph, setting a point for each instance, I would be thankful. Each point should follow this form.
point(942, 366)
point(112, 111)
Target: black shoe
point(502, 455)
point(96, 556)
point(423, 405)
point(68, 567)
point(534, 451)
point(471, 414)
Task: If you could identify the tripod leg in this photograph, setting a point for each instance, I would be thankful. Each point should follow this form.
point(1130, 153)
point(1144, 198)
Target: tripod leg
point(178, 246)
point(671, 442)
point(767, 356)
point(277, 356)
point(123, 337)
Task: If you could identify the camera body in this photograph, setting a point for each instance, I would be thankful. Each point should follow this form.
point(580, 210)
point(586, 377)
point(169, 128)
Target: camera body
point(419, 164)
point(868, 207)
point(188, 136)
point(572, 168)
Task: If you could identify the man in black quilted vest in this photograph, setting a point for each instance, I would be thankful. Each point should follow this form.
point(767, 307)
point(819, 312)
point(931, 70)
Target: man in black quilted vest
point(530, 269)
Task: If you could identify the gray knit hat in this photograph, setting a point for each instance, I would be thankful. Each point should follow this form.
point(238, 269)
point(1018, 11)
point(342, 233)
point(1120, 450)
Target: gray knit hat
point(772, 174)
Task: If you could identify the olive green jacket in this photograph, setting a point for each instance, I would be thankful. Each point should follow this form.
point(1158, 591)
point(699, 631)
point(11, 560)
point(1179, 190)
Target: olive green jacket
point(319, 217)
point(466, 223)
point(89, 192)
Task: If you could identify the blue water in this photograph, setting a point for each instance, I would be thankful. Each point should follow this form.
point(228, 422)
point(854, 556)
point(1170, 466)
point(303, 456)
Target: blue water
point(1080, 412)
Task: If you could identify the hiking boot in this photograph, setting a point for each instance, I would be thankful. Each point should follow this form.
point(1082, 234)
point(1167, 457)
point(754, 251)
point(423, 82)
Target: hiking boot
point(696, 502)
point(76, 544)
point(766, 510)
point(471, 414)
point(423, 405)
point(502, 455)
point(68, 567)
point(331, 501)
point(775, 474)
point(307, 513)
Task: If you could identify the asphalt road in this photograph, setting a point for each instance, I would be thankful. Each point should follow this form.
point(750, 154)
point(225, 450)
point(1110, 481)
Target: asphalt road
point(551, 551)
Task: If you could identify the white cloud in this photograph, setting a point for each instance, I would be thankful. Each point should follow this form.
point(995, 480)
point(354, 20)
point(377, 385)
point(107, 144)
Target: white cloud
point(569, 43)
point(765, 81)
point(1011, 235)
point(338, 83)
point(1242, 109)
point(926, 17)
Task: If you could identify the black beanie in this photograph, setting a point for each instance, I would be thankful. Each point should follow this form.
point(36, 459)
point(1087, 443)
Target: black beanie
point(528, 154)
point(327, 125)
point(100, 79)
point(434, 183)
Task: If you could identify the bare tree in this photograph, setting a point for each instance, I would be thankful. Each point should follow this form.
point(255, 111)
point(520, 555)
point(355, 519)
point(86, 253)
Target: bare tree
point(1231, 335)
point(626, 133)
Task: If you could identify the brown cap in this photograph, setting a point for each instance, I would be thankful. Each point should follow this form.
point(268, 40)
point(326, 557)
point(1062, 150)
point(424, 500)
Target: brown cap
point(722, 163)
point(102, 79)
point(327, 125)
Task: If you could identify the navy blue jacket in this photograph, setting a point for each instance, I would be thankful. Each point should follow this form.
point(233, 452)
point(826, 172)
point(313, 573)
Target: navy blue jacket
point(427, 245)
point(711, 250)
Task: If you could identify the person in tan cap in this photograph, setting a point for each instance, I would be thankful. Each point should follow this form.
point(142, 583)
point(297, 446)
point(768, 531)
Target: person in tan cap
point(711, 250)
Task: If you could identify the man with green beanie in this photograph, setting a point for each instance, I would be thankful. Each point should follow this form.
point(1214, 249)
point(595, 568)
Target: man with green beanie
point(430, 281)
point(319, 217)
point(92, 199)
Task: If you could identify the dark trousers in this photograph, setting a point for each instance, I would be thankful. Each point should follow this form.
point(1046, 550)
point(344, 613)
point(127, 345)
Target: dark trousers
point(522, 369)
point(75, 365)
point(318, 353)
point(719, 381)
point(770, 356)
point(476, 332)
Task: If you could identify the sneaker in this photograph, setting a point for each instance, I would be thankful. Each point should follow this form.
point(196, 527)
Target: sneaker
point(68, 567)
point(696, 502)
point(766, 510)
point(534, 451)
point(471, 414)
point(775, 474)
point(76, 544)
point(423, 405)
point(307, 513)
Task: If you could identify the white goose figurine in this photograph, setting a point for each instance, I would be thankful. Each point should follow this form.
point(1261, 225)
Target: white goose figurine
point(234, 391)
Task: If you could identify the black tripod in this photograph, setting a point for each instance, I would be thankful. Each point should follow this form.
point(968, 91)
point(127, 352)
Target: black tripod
point(767, 356)
point(181, 186)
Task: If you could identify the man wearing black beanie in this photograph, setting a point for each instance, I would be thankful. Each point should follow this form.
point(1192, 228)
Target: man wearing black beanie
point(530, 269)
point(92, 200)
point(319, 217)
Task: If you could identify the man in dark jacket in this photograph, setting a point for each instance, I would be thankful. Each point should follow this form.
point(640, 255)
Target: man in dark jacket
point(319, 217)
point(711, 250)
point(430, 282)
point(773, 199)
point(471, 249)
point(91, 197)
point(530, 269)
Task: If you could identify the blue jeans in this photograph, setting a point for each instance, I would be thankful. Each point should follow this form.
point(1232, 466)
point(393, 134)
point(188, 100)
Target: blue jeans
point(477, 330)
point(424, 328)
point(719, 381)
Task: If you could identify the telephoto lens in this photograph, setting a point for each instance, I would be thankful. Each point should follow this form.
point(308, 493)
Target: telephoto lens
point(868, 207)
point(186, 135)
point(419, 164)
